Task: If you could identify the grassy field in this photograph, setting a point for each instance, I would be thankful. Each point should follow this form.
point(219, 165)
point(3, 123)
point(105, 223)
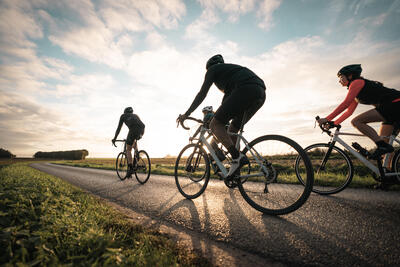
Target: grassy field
point(165, 166)
point(46, 221)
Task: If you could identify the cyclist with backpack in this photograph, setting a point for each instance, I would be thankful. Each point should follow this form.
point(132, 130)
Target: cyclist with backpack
point(136, 131)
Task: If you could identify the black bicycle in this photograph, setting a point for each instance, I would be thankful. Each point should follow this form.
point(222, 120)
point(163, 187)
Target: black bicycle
point(142, 165)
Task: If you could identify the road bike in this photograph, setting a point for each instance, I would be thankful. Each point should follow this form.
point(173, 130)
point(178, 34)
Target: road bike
point(268, 183)
point(333, 167)
point(141, 164)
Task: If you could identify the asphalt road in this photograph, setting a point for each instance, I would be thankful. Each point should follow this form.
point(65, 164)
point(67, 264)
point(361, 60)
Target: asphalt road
point(357, 227)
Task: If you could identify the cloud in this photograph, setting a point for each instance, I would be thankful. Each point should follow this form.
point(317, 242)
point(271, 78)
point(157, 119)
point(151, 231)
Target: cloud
point(54, 103)
point(234, 8)
point(265, 10)
point(105, 42)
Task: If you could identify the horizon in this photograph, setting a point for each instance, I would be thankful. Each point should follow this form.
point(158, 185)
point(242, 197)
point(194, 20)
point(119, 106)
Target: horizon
point(69, 68)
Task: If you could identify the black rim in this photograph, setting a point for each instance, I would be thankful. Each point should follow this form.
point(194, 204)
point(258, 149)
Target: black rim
point(205, 177)
point(121, 166)
point(143, 167)
point(307, 187)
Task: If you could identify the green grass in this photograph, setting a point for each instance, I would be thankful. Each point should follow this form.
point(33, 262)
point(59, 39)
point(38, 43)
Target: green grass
point(166, 166)
point(46, 221)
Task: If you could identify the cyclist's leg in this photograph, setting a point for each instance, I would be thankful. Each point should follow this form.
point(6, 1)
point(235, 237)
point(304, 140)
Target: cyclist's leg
point(249, 112)
point(129, 143)
point(234, 106)
point(361, 123)
point(385, 131)
point(135, 150)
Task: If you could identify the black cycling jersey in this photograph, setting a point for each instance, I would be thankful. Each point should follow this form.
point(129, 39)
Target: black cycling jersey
point(374, 93)
point(227, 77)
point(132, 121)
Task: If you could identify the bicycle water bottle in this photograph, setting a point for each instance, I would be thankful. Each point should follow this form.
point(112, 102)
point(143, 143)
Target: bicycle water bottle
point(360, 149)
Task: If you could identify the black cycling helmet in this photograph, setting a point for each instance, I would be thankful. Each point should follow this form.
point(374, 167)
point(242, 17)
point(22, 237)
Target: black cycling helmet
point(128, 110)
point(354, 70)
point(214, 60)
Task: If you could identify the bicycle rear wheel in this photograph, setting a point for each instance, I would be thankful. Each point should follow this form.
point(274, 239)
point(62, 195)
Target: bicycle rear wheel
point(333, 169)
point(273, 187)
point(192, 171)
point(143, 167)
point(121, 166)
point(396, 164)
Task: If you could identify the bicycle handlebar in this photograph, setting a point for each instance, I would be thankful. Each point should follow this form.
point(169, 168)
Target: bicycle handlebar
point(123, 140)
point(330, 126)
point(189, 118)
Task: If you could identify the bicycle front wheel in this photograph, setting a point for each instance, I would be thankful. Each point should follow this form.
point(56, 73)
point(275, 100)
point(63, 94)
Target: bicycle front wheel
point(192, 171)
point(143, 167)
point(333, 169)
point(272, 186)
point(121, 166)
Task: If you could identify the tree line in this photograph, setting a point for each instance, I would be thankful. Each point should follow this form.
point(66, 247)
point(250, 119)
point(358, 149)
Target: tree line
point(71, 154)
point(6, 154)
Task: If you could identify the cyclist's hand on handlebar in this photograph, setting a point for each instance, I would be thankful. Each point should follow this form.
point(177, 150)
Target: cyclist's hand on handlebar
point(113, 142)
point(181, 118)
point(322, 121)
point(324, 124)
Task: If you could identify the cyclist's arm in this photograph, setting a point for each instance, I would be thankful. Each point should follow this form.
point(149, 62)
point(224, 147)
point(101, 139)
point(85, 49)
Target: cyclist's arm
point(202, 94)
point(348, 112)
point(119, 127)
point(354, 90)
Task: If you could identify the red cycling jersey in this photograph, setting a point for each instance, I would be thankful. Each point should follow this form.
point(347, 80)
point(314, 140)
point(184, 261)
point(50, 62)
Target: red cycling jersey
point(350, 102)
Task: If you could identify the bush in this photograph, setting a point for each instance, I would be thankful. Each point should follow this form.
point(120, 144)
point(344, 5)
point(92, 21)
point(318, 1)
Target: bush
point(6, 154)
point(71, 154)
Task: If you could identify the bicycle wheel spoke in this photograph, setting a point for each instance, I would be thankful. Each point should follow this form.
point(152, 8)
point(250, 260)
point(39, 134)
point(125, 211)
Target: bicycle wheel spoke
point(276, 189)
point(192, 171)
point(121, 166)
point(143, 167)
point(333, 171)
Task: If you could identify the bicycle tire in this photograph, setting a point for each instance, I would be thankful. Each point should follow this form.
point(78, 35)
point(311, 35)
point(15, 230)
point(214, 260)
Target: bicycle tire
point(277, 195)
point(396, 164)
point(143, 167)
point(192, 161)
point(335, 176)
point(121, 166)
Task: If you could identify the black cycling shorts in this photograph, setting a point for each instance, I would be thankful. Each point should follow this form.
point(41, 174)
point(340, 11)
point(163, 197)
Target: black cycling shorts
point(133, 135)
point(247, 98)
point(390, 111)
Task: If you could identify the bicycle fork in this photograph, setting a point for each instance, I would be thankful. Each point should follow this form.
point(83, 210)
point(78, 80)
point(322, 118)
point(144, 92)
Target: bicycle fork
point(190, 165)
point(326, 157)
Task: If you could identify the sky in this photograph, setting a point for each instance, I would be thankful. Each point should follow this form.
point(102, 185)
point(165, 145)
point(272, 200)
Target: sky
point(68, 68)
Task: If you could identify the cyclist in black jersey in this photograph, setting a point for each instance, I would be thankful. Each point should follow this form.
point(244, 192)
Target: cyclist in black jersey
point(244, 92)
point(136, 131)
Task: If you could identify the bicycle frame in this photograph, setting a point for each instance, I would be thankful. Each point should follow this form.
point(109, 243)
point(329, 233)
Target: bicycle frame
point(335, 138)
point(203, 140)
point(124, 141)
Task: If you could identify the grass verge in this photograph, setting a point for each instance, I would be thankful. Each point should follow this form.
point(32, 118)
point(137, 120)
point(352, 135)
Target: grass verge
point(165, 166)
point(46, 221)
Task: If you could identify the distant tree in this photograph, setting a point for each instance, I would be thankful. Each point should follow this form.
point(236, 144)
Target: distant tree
point(6, 154)
point(71, 154)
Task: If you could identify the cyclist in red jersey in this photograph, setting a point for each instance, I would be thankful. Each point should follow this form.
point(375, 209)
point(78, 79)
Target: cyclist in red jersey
point(385, 100)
